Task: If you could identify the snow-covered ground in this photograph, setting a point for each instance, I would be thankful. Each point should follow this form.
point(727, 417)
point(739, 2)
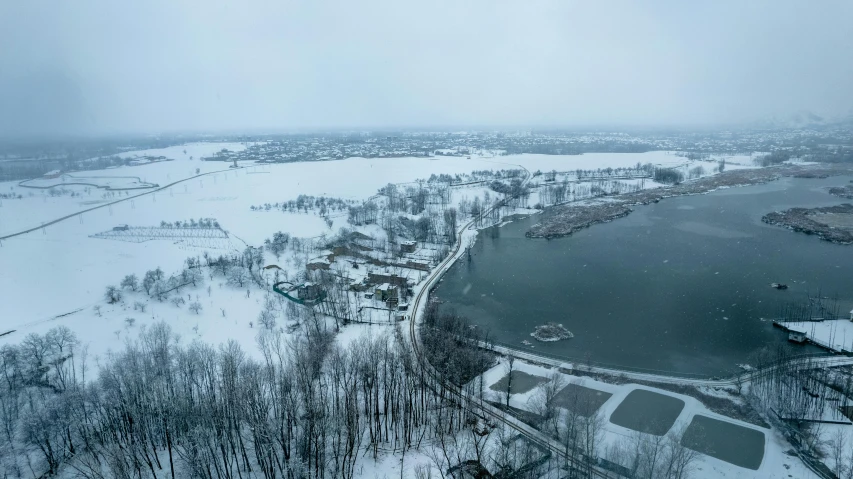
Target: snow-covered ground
point(56, 275)
point(189, 151)
point(63, 268)
point(232, 192)
point(775, 464)
point(63, 251)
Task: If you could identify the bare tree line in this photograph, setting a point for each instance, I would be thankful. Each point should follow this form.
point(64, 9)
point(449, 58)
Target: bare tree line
point(307, 408)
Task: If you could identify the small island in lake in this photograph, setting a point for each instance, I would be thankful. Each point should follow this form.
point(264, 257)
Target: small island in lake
point(830, 223)
point(842, 191)
point(550, 332)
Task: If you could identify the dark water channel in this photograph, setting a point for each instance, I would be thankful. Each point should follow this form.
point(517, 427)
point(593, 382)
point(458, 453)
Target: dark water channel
point(682, 285)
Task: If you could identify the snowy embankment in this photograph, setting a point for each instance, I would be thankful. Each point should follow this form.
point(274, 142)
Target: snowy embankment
point(833, 334)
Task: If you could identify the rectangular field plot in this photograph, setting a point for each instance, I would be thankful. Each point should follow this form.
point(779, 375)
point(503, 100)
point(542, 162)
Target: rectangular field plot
point(580, 399)
point(521, 383)
point(738, 445)
point(647, 411)
point(104, 182)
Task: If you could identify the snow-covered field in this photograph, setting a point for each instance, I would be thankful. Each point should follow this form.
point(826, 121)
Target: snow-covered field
point(93, 181)
point(232, 192)
point(64, 251)
point(57, 275)
point(189, 151)
point(61, 268)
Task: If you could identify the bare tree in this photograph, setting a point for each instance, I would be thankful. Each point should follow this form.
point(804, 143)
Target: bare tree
point(678, 460)
point(266, 318)
point(423, 471)
point(508, 368)
point(838, 451)
point(130, 282)
point(112, 295)
point(542, 402)
point(237, 276)
point(591, 435)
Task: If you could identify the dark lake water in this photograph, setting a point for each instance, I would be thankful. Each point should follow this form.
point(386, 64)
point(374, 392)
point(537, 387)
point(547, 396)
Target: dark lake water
point(682, 285)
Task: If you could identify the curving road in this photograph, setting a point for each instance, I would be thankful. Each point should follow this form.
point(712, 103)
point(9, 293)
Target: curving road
point(419, 305)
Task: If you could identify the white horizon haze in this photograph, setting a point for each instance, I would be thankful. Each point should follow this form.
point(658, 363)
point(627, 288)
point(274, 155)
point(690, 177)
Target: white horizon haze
point(105, 67)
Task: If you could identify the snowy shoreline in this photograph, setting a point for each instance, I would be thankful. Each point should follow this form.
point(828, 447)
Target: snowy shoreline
point(577, 215)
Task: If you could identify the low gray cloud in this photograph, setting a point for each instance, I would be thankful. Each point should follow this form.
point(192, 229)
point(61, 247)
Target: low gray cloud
point(102, 66)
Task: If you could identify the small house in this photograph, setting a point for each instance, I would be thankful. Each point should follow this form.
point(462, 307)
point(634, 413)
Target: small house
point(121, 228)
point(408, 246)
point(386, 291)
point(309, 291)
point(417, 264)
point(392, 279)
point(797, 337)
point(403, 307)
point(323, 262)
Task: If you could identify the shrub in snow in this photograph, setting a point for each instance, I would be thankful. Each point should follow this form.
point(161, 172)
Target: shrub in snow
point(112, 294)
point(195, 307)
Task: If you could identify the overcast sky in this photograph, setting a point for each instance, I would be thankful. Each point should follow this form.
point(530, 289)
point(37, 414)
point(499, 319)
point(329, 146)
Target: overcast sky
point(151, 66)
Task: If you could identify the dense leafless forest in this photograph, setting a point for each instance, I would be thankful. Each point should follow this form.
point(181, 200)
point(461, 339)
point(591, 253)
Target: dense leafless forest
point(158, 408)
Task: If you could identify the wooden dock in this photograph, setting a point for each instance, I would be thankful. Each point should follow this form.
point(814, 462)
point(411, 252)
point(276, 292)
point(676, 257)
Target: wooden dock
point(810, 340)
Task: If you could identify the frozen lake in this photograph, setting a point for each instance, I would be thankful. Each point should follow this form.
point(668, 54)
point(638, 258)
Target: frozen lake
point(682, 285)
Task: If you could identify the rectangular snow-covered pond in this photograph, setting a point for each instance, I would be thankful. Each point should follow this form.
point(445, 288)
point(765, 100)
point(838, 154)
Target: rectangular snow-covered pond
point(726, 441)
point(580, 399)
point(521, 382)
point(647, 411)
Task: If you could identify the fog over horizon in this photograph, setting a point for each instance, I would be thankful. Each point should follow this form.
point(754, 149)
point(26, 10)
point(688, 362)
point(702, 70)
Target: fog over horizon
point(105, 67)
